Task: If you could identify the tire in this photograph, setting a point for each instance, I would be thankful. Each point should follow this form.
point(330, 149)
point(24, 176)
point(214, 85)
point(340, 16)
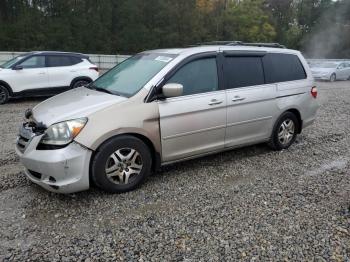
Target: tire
point(79, 83)
point(4, 95)
point(284, 134)
point(117, 169)
point(333, 78)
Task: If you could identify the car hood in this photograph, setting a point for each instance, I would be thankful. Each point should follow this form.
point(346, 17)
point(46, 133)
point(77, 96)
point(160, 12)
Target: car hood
point(76, 103)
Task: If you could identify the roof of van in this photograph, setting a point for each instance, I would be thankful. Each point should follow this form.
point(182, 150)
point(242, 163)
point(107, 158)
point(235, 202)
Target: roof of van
point(211, 48)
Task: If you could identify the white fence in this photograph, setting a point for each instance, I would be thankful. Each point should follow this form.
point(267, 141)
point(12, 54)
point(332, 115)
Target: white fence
point(104, 62)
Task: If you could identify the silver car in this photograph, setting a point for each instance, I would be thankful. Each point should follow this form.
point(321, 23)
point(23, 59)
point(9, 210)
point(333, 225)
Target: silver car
point(165, 106)
point(331, 71)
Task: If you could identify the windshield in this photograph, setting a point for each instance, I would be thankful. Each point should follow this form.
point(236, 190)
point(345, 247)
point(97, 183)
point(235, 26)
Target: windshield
point(325, 65)
point(11, 62)
point(130, 76)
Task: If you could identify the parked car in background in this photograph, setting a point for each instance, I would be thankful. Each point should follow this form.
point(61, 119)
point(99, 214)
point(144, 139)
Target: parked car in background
point(164, 106)
point(44, 73)
point(331, 71)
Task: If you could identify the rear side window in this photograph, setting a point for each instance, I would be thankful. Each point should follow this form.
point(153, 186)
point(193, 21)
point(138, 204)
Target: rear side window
point(199, 76)
point(243, 71)
point(57, 61)
point(75, 60)
point(282, 68)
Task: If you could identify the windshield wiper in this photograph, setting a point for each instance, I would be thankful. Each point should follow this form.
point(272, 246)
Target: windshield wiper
point(93, 87)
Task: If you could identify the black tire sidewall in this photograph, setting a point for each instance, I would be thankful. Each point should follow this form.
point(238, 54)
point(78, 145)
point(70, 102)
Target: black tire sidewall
point(333, 78)
point(7, 95)
point(106, 150)
point(276, 143)
point(78, 81)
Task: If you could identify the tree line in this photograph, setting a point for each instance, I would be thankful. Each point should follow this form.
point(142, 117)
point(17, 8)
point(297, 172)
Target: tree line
point(320, 28)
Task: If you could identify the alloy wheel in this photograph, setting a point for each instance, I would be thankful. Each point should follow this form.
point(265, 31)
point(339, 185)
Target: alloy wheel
point(286, 132)
point(123, 166)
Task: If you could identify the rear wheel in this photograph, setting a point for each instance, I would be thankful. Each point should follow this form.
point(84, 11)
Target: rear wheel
point(80, 83)
point(285, 132)
point(121, 164)
point(4, 94)
point(333, 78)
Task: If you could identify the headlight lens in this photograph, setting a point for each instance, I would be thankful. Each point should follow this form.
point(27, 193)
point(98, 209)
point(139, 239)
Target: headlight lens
point(64, 132)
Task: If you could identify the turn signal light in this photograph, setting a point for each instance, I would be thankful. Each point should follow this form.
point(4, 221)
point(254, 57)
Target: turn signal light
point(314, 92)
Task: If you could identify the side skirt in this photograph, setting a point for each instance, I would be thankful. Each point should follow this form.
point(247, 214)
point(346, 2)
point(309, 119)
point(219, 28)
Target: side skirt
point(214, 152)
point(41, 91)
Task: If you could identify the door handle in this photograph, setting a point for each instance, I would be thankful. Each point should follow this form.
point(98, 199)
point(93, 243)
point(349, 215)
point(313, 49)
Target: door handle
point(215, 102)
point(237, 99)
point(42, 73)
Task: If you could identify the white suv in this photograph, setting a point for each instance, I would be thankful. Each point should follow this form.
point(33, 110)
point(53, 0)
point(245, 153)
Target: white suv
point(44, 73)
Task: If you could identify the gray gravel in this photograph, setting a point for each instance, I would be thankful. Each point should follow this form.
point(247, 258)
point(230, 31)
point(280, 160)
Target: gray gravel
point(247, 204)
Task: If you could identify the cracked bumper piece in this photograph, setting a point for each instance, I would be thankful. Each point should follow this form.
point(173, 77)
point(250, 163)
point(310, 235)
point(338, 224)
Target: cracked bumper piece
point(63, 170)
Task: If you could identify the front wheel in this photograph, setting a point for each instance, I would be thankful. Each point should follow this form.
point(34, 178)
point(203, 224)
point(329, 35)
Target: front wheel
point(285, 132)
point(121, 164)
point(333, 78)
point(4, 95)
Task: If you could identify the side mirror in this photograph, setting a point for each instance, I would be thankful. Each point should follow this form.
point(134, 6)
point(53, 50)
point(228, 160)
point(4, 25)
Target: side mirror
point(17, 67)
point(172, 90)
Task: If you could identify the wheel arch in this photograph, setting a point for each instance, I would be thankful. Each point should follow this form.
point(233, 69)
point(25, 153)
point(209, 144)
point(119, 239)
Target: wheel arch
point(80, 78)
point(296, 112)
point(6, 85)
point(156, 158)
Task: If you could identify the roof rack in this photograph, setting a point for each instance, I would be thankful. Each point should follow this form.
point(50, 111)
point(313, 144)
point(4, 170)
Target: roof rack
point(237, 43)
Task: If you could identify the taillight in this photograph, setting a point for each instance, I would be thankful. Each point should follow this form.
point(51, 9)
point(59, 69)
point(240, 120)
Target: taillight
point(94, 68)
point(314, 92)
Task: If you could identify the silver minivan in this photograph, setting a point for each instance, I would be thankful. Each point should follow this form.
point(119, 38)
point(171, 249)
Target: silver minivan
point(163, 106)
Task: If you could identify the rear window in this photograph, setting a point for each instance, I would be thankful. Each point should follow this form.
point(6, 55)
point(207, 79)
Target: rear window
point(57, 61)
point(243, 71)
point(282, 68)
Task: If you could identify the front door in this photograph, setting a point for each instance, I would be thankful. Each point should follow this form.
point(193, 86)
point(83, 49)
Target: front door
point(194, 123)
point(33, 75)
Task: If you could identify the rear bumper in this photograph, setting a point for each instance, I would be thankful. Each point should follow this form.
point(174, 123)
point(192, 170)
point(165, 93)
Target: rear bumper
point(63, 170)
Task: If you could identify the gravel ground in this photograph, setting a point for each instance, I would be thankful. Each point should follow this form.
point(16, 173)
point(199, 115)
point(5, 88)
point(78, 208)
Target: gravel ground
point(247, 204)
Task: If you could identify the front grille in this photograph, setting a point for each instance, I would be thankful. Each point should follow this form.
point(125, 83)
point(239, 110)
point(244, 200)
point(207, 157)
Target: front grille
point(22, 142)
point(35, 174)
point(24, 137)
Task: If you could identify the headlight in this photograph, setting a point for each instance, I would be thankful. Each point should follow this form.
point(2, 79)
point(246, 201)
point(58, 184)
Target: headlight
point(63, 133)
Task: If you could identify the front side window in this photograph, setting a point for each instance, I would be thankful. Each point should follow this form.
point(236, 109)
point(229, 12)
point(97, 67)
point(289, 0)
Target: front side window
point(243, 71)
point(130, 76)
point(199, 76)
point(11, 62)
point(34, 62)
point(58, 61)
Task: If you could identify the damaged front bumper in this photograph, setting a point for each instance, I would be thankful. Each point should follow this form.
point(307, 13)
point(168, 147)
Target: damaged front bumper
point(64, 170)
